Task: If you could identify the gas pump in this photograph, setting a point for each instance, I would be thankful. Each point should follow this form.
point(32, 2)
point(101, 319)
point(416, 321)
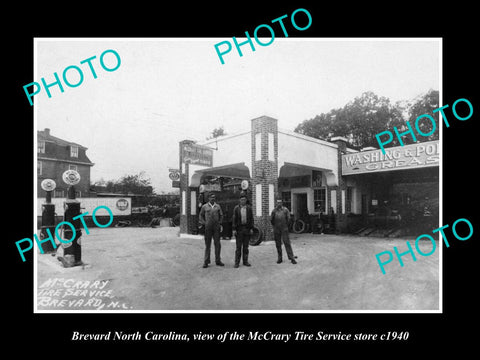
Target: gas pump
point(72, 250)
point(48, 216)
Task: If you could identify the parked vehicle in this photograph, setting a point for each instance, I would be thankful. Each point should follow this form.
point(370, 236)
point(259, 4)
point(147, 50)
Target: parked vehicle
point(227, 192)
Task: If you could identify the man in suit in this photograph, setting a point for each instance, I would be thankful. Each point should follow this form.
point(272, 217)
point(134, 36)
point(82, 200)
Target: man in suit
point(211, 216)
point(279, 219)
point(242, 225)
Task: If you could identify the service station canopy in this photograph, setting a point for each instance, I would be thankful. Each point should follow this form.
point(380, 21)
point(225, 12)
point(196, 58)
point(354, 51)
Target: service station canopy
point(238, 171)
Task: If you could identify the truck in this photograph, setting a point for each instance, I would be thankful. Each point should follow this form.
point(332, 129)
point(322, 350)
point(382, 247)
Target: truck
point(227, 192)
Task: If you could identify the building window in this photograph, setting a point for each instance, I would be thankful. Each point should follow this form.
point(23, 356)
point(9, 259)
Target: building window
point(39, 168)
point(74, 151)
point(405, 199)
point(58, 193)
point(41, 147)
point(319, 196)
point(72, 167)
point(316, 179)
point(287, 199)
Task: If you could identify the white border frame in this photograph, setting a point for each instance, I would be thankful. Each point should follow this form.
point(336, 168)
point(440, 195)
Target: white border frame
point(35, 255)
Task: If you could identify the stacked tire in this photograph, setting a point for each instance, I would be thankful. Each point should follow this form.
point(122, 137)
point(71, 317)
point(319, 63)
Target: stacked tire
point(257, 236)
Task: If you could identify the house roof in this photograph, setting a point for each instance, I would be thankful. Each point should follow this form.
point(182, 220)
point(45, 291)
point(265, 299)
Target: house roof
point(44, 135)
point(58, 154)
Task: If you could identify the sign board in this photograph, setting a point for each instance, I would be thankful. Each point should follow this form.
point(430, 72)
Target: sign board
point(295, 181)
point(48, 185)
point(175, 184)
point(174, 174)
point(209, 187)
point(197, 155)
point(122, 204)
point(118, 205)
point(71, 177)
point(413, 156)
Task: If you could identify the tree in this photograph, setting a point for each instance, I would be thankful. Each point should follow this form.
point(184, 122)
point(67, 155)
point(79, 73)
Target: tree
point(367, 115)
point(220, 131)
point(138, 184)
point(424, 104)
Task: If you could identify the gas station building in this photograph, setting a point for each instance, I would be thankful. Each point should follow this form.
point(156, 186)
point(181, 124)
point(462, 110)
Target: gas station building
point(310, 175)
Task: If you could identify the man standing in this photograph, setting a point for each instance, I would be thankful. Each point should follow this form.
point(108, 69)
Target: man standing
point(211, 217)
point(242, 225)
point(279, 219)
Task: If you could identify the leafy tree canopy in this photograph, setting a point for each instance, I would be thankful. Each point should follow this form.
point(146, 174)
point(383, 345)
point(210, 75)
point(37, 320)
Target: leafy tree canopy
point(220, 131)
point(369, 114)
point(138, 184)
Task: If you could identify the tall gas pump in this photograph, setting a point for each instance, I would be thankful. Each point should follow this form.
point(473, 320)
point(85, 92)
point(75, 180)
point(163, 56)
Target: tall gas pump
point(48, 216)
point(72, 250)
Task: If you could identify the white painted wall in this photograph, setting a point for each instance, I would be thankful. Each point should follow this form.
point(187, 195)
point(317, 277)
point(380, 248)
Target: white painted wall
point(184, 201)
point(299, 149)
point(193, 203)
point(232, 149)
point(333, 202)
point(258, 200)
point(271, 198)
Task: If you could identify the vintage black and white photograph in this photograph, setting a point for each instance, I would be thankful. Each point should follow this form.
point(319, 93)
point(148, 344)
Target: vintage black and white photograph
point(293, 177)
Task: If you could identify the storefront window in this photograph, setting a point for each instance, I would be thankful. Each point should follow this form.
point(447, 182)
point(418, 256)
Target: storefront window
point(319, 200)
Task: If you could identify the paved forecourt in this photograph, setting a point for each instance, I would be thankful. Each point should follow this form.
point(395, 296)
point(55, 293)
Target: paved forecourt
point(154, 269)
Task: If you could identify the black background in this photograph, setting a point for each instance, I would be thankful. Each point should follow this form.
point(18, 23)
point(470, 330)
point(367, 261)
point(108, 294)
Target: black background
point(51, 333)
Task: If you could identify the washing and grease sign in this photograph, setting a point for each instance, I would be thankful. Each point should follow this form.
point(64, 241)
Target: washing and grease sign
point(417, 155)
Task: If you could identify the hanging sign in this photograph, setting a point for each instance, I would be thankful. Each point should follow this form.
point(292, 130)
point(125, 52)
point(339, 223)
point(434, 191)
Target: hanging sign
point(71, 177)
point(197, 155)
point(48, 185)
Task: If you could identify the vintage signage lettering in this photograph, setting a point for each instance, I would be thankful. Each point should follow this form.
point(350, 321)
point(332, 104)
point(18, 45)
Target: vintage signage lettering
point(197, 155)
point(210, 187)
point(396, 158)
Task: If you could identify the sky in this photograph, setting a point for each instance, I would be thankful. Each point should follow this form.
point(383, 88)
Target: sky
point(170, 89)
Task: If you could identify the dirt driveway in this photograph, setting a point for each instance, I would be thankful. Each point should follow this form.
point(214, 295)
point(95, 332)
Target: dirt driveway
point(154, 269)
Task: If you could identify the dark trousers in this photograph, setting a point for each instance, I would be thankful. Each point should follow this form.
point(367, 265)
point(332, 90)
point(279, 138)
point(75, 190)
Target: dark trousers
point(212, 231)
point(281, 235)
point(242, 242)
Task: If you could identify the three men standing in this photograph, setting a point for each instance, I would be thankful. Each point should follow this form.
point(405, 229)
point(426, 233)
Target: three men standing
point(211, 216)
point(242, 225)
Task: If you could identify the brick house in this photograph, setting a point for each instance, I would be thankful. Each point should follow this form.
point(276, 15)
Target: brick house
point(54, 157)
